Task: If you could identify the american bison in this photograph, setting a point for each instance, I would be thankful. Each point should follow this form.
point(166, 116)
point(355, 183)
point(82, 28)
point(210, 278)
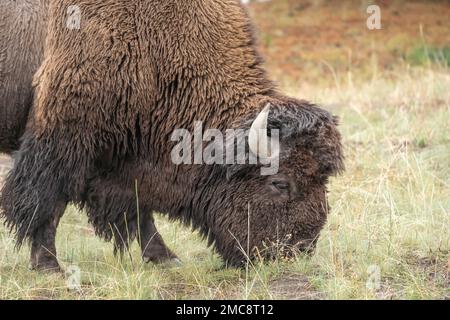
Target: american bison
point(22, 37)
point(109, 96)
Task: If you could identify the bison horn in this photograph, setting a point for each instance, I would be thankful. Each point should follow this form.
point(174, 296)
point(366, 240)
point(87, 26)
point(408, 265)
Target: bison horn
point(258, 138)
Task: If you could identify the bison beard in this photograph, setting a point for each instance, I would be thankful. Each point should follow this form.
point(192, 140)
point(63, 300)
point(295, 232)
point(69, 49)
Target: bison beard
point(108, 98)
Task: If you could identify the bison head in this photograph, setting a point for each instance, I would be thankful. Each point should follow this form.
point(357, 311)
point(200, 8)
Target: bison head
point(265, 215)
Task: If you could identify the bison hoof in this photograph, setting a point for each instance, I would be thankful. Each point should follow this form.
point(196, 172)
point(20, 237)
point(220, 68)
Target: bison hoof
point(50, 267)
point(169, 261)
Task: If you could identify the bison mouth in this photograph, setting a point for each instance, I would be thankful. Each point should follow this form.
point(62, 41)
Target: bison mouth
point(285, 249)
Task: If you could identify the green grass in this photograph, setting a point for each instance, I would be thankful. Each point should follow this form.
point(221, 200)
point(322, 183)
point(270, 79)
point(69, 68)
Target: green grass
point(424, 55)
point(390, 209)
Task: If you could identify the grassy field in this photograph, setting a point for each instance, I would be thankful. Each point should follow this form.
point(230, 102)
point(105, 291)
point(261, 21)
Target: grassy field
point(388, 231)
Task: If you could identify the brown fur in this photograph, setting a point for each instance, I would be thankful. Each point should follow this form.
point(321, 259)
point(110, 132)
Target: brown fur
point(22, 37)
point(108, 99)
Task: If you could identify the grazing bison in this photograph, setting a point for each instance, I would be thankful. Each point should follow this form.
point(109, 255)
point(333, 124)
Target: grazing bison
point(22, 34)
point(108, 99)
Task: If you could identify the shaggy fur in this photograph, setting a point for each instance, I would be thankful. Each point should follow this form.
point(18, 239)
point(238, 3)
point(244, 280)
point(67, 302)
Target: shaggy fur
point(22, 34)
point(108, 99)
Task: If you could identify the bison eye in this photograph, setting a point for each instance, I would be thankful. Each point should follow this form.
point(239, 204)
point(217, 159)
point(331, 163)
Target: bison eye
point(281, 186)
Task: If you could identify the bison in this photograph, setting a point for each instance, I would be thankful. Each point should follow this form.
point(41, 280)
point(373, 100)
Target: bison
point(109, 96)
point(22, 37)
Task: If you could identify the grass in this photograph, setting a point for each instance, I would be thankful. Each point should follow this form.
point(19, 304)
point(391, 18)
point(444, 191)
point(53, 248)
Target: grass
point(423, 55)
point(391, 207)
point(390, 210)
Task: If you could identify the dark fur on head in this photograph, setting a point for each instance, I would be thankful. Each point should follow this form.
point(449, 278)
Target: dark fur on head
point(108, 99)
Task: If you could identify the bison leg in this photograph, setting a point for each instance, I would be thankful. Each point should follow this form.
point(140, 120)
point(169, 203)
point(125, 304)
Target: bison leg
point(36, 190)
point(43, 249)
point(152, 244)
